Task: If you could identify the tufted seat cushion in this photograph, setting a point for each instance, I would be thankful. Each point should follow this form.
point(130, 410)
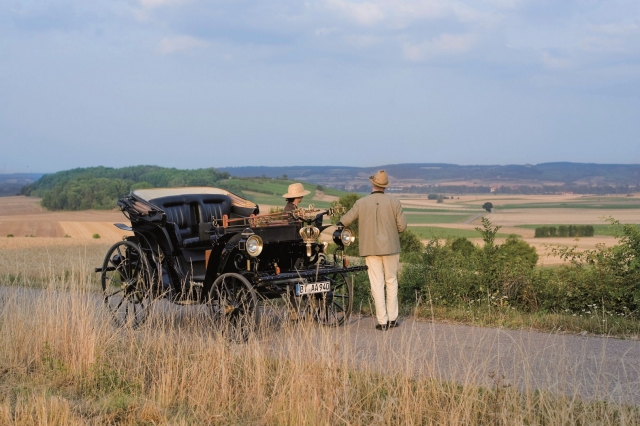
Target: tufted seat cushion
point(214, 207)
point(186, 212)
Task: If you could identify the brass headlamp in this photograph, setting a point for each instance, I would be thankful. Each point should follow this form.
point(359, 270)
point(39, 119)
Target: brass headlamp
point(344, 236)
point(250, 243)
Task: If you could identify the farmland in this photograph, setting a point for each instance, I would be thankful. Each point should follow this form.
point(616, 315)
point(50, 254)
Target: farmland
point(456, 217)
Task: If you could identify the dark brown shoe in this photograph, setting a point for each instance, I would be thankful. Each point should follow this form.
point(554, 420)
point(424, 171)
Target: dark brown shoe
point(382, 327)
point(393, 324)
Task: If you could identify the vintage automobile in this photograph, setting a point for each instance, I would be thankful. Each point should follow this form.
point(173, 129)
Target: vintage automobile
point(203, 245)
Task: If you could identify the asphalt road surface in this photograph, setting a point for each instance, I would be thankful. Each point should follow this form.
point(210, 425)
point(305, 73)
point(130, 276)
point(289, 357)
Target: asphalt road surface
point(596, 368)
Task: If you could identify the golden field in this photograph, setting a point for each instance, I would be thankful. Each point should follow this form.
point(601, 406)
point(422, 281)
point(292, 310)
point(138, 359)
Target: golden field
point(23, 216)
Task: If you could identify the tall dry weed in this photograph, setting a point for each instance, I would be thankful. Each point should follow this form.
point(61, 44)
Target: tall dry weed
point(62, 362)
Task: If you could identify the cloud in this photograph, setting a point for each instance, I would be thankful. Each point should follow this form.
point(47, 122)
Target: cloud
point(366, 13)
point(602, 44)
point(615, 29)
point(182, 43)
point(401, 13)
point(554, 61)
point(150, 4)
point(444, 44)
point(363, 41)
point(325, 31)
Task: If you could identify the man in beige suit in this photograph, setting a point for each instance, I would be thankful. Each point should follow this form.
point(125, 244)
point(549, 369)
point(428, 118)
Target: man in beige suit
point(380, 220)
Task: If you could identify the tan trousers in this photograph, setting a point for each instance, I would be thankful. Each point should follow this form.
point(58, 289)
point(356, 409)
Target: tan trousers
point(383, 273)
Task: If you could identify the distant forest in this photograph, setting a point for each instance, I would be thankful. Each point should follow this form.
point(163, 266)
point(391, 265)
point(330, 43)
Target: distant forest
point(545, 178)
point(100, 187)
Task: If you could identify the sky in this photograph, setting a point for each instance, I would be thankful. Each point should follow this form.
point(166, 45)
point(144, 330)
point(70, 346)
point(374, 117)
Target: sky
point(192, 84)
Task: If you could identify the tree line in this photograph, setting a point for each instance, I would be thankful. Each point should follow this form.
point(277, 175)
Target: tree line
point(100, 187)
point(565, 231)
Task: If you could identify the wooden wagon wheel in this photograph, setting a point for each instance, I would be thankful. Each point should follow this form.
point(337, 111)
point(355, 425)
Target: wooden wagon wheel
point(234, 306)
point(126, 282)
point(332, 308)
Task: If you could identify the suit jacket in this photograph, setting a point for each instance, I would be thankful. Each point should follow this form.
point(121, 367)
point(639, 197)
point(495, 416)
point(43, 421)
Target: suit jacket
point(380, 219)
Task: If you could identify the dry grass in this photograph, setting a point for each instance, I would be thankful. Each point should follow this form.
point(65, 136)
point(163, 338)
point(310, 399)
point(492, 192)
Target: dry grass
point(63, 363)
point(33, 262)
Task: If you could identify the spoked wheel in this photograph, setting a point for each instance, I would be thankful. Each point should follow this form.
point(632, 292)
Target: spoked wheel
point(126, 280)
point(332, 308)
point(234, 306)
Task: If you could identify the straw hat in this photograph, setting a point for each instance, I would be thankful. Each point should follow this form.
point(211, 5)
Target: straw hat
point(296, 190)
point(380, 179)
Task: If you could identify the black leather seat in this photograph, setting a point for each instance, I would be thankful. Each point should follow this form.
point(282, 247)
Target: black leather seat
point(186, 212)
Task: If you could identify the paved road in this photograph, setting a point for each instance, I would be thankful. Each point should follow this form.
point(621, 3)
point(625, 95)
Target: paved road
point(593, 367)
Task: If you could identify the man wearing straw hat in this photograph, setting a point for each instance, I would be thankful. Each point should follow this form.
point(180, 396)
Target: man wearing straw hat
point(381, 220)
point(294, 196)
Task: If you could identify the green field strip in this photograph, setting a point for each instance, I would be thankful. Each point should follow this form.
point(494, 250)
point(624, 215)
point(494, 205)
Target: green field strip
point(429, 232)
point(436, 218)
point(430, 210)
point(273, 187)
point(569, 206)
point(602, 230)
point(274, 200)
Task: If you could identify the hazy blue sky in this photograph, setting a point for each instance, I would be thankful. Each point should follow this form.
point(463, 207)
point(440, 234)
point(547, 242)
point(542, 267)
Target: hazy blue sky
point(193, 84)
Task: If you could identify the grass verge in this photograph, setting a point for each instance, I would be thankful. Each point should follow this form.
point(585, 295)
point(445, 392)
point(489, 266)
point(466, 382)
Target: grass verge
point(510, 318)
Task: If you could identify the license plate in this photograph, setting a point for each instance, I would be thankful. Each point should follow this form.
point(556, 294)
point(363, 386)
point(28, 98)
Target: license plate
point(321, 287)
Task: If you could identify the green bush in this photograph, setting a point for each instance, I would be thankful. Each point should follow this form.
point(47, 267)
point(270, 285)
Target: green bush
point(464, 246)
point(9, 235)
point(456, 272)
point(96, 236)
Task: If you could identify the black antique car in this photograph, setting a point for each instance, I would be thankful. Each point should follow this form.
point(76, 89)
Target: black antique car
point(202, 245)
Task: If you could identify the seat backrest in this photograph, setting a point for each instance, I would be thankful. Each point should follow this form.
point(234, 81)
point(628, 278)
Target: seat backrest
point(214, 207)
point(189, 210)
point(180, 214)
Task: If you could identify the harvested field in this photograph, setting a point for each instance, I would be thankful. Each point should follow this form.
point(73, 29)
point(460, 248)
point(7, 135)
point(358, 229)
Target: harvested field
point(23, 216)
point(571, 216)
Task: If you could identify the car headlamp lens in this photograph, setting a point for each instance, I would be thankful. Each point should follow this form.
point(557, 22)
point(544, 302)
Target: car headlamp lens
point(254, 245)
point(347, 236)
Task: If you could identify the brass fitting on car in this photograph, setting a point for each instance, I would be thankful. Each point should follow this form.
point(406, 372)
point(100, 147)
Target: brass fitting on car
point(309, 235)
